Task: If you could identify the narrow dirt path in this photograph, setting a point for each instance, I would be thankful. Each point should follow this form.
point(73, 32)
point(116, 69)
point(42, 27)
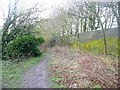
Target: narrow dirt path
point(38, 75)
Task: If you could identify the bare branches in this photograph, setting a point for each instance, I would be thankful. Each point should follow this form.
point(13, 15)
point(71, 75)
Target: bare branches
point(19, 22)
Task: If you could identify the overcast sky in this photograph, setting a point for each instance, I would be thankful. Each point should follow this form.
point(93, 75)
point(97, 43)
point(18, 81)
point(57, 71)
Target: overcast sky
point(47, 4)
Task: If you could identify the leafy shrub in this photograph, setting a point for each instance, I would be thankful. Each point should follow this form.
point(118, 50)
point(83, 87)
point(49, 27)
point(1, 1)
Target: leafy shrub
point(36, 51)
point(40, 40)
point(22, 46)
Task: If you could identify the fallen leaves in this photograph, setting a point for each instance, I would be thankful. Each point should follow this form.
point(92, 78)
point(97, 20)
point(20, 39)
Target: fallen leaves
point(82, 70)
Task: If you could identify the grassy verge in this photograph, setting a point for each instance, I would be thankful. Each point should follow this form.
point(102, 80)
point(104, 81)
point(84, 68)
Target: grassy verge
point(97, 46)
point(11, 71)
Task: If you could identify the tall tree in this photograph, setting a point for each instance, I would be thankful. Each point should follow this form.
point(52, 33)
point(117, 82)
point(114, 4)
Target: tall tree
point(18, 22)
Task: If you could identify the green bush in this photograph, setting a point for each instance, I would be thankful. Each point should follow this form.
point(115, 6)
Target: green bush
point(36, 52)
point(40, 40)
point(22, 46)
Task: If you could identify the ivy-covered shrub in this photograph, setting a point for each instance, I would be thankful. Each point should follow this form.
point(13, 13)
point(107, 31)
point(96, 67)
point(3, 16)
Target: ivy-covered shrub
point(23, 46)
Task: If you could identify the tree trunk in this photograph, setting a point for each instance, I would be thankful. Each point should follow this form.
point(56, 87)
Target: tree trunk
point(104, 38)
point(118, 20)
point(71, 32)
point(119, 34)
point(81, 25)
point(77, 27)
point(84, 27)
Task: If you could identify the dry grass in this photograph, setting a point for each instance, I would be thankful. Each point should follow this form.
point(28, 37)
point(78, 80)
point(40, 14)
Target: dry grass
point(82, 70)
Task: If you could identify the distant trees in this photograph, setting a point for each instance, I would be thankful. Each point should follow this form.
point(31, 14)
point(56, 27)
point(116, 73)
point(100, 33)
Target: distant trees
point(79, 17)
point(86, 16)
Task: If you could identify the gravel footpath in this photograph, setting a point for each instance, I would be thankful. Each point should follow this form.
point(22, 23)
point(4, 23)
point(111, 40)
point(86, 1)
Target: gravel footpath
point(38, 75)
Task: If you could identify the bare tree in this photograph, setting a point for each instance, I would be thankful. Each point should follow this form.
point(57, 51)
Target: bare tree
point(18, 22)
point(85, 11)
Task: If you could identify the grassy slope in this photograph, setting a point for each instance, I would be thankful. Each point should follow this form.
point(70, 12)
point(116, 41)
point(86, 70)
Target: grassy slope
point(97, 46)
point(11, 71)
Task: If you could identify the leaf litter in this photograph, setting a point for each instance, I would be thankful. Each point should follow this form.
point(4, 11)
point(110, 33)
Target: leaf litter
point(82, 70)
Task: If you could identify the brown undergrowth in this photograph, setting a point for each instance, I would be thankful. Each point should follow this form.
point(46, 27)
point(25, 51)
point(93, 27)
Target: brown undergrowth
point(75, 70)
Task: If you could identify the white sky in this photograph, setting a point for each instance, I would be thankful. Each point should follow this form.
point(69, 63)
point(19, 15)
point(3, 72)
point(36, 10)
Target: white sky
point(47, 4)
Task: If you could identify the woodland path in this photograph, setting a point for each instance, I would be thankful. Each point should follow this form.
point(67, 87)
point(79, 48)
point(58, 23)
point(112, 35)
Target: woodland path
point(38, 75)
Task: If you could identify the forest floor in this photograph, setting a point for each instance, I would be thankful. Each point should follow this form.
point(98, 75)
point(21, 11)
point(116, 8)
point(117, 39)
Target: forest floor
point(65, 67)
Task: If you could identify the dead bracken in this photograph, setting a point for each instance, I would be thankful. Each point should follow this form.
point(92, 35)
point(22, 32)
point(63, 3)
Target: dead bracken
point(82, 70)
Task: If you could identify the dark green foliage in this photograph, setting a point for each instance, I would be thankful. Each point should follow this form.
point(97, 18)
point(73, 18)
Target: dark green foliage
point(36, 51)
point(22, 46)
point(40, 40)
